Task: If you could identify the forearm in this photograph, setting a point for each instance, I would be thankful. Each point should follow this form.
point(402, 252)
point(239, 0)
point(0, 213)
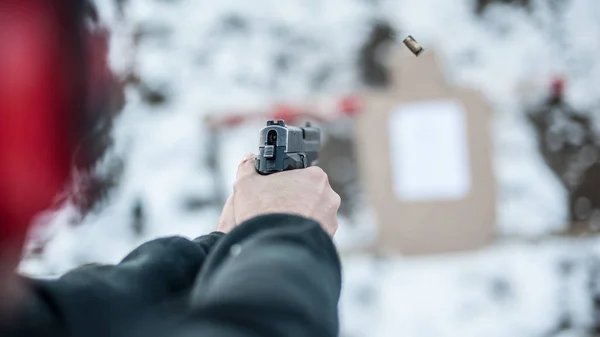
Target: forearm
point(100, 300)
point(276, 275)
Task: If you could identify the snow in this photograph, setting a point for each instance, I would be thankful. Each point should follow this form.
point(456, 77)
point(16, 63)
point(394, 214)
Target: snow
point(215, 56)
point(507, 290)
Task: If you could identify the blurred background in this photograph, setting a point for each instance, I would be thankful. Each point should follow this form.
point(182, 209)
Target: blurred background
point(511, 249)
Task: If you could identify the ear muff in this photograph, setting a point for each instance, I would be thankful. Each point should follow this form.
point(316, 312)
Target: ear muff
point(42, 96)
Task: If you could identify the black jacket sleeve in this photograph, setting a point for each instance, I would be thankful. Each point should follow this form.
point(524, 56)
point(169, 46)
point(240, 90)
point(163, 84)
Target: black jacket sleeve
point(105, 300)
point(275, 275)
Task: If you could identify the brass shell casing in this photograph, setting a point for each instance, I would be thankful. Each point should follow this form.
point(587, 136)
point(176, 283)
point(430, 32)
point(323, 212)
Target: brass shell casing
point(413, 45)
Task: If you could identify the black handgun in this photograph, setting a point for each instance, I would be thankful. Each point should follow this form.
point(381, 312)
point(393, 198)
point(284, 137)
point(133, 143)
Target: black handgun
point(283, 148)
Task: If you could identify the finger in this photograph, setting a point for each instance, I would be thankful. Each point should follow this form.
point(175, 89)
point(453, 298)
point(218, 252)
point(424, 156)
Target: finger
point(336, 200)
point(248, 156)
point(246, 166)
point(317, 173)
point(334, 227)
point(227, 220)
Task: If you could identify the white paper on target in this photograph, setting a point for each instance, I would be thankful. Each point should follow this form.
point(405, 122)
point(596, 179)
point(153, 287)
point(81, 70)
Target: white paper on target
point(430, 152)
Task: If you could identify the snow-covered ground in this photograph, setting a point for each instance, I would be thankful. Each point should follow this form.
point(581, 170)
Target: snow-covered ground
point(222, 55)
point(508, 290)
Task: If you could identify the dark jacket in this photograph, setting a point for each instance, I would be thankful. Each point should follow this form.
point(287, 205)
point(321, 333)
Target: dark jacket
point(274, 275)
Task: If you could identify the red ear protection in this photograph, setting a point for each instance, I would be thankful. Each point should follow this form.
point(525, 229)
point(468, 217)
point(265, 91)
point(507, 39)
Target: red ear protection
point(41, 89)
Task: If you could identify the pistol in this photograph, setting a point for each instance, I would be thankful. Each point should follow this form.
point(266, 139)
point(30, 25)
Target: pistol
point(284, 148)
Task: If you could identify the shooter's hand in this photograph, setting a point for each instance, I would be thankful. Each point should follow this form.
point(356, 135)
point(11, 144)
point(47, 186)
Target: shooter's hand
point(304, 192)
point(227, 219)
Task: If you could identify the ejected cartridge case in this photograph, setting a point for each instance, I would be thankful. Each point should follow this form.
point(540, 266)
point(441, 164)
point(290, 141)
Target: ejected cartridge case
point(413, 45)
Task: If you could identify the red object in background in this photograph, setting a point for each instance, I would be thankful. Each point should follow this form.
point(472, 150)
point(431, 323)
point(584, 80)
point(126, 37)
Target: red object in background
point(234, 120)
point(39, 90)
point(285, 113)
point(350, 105)
point(557, 88)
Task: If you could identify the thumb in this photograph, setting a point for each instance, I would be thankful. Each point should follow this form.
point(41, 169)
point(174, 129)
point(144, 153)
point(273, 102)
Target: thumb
point(246, 166)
